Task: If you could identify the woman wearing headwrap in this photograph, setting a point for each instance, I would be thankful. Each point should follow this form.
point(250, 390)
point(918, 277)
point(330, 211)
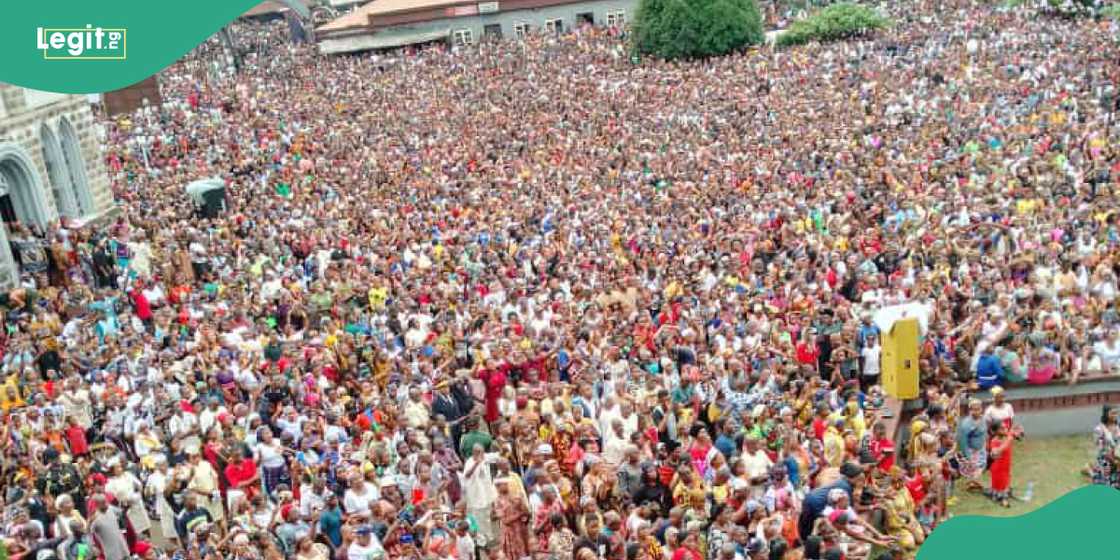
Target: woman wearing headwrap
point(1107, 435)
point(923, 443)
point(126, 489)
point(65, 517)
point(1001, 412)
point(599, 481)
point(972, 442)
point(513, 513)
point(900, 521)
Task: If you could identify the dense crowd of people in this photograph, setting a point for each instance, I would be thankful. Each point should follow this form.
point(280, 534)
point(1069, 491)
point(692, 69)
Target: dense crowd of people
point(531, 299)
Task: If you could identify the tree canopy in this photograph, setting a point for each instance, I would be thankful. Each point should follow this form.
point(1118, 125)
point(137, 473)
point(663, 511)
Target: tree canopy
point(675, 29)
point(838, 21)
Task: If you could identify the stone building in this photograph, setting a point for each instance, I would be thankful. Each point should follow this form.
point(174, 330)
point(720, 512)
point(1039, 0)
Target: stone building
point(51, 165)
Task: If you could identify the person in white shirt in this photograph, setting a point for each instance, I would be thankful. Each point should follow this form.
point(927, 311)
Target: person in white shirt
point(479, 490)
point(357, 499)
point(208, 418)
point(871, 354)
point(313, 497)
point(614, 450)
point(1108, 352)
point(757, 466)
point(366, 546)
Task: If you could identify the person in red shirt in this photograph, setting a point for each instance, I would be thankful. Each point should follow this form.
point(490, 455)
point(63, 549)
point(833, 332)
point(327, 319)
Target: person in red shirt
point(807, 349)
point(495, 380)
point(76, 437)
point(243, 477)
point(141, 305)
point(820, 421)
point(882, 448)
point(689, 549)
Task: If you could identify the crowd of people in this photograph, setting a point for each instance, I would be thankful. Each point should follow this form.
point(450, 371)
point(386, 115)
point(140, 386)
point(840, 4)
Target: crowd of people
point(530, 299)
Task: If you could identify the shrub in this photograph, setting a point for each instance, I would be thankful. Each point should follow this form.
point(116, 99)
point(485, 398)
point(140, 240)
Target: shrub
point(1070, 8)
point(673, 29)
point(838, 21)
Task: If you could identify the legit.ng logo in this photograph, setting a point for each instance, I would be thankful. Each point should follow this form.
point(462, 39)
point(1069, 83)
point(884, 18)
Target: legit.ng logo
point(89, 43)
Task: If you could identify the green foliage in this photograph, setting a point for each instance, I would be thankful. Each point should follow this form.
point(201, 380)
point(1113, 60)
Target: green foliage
point(1071, 8)
point(674, 29)
point(838, 21)
point(1112, 11)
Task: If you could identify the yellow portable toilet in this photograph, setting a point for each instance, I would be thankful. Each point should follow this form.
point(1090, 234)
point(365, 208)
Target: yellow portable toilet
point(900, 359)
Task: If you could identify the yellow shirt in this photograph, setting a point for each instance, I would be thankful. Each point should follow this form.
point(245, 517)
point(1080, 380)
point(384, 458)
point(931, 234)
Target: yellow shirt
point(10, 396)
point(673, 290)
point(377, 297)
point(833, 448)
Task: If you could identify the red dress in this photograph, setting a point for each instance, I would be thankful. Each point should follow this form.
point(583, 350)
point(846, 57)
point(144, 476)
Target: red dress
point(495, 381)
point(1001, 465)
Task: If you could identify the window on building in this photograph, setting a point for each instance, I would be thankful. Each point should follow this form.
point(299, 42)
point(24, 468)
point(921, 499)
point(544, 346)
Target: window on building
point(492, 31)
point(462, 37)
point(586, 18)
point(554, 26)
point(616, 18)
point(520, 30)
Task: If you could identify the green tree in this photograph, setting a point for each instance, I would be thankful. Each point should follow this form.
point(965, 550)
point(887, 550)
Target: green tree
point(673, 29)
point(838, 21)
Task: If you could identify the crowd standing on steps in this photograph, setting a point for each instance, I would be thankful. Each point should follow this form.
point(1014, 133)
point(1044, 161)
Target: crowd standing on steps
point(530, 299)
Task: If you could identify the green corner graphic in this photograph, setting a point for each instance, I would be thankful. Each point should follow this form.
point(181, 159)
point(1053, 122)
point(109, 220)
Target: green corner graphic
point(1077, 525)
point(158, 34)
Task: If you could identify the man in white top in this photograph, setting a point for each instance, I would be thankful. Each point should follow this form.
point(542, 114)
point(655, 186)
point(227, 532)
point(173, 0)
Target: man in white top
point(208, 418)
point(757, 465)
point(614, 450)
point(313, 497)
point(479, 490)
point(366, 546)
point(357, 499)
point(871, 355)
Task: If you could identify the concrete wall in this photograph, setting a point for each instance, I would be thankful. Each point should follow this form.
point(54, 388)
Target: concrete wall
point(1060, 422)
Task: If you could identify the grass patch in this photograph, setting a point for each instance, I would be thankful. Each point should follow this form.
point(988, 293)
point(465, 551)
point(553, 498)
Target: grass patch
point(1054, 465)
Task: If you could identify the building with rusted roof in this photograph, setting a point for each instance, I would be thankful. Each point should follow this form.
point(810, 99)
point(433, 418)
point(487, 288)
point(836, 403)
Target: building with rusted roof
point(386, 24)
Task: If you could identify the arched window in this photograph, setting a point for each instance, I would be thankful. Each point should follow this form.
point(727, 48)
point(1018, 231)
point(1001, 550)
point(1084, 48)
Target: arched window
point(58, 173)
point(76, 165)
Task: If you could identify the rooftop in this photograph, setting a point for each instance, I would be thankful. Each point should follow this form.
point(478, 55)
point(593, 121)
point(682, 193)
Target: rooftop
point(359, 18)
point(270, 7)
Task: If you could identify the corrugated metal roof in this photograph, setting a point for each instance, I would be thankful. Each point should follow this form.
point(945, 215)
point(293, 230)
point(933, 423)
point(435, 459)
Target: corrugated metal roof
point(271, 7)
point(360, 17)
point(384, 39)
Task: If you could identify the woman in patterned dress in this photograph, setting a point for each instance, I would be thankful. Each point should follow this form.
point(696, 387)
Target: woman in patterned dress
point(513, 513)
point(1107, 435)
